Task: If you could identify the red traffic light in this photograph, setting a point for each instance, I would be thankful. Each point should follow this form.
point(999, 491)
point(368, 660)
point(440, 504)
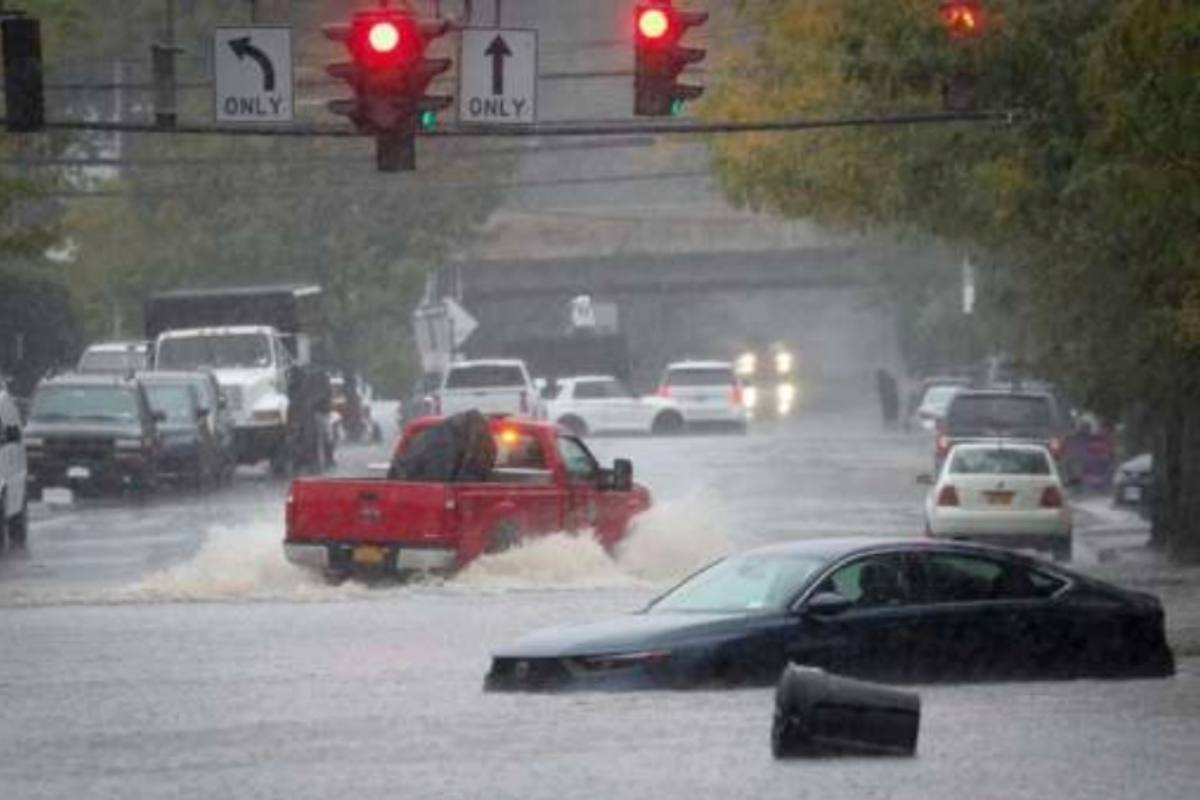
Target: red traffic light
point(962, 18)
point(383, 37)
point(653, 23)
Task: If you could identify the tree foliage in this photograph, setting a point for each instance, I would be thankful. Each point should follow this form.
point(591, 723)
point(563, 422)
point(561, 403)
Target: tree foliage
point(1085, 210)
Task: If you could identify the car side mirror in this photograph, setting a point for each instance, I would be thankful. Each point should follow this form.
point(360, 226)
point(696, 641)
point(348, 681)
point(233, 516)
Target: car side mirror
point(12, 434)
point(622, 475)
point(827, 604)
point(924, 479)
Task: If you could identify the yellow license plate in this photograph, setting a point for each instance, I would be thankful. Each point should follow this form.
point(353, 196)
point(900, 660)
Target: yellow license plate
point(368, 556)
point(999, 498)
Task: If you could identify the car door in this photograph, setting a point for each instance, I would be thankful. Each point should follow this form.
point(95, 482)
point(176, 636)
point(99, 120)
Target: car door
point(622, 410)
point(872, 636)
point(981, 617)
point(581, 474)
point(590, 403)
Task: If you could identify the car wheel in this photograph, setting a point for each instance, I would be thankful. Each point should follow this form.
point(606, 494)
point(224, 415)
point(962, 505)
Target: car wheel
point(667, 423)
point(503, 536)
point(574, 424)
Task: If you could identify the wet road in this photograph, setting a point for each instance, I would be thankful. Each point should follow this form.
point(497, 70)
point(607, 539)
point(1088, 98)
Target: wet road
point(169, 651)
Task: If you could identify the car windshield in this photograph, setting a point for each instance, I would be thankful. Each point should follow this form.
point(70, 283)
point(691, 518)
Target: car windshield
point(752, 582)
point(104, 403)
point(700, 376)
point(220, 351)
point(1000, 461)
point(482, 376)
point(174, 400)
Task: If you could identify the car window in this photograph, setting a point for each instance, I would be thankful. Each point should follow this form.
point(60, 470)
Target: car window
point(1000, 413)
point(938, 397)
point(880, 580)
point(700, 376)
point(752, 582)
point(616, 390)
point(481, 376)
point(975, 461)
point(112, 360)
point(580, 464)
point(958, 578)
point(225, 350)
point(516, 450)
point(590, 390)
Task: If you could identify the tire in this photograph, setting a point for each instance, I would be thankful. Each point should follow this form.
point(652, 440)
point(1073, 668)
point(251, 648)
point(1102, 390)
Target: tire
point(503, 536)
point(574, 424)
point(667, 423)
point(786, 738)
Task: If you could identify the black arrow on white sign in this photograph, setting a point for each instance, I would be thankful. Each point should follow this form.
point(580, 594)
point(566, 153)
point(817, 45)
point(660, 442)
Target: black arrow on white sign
point(499, 51)
point(243, 48)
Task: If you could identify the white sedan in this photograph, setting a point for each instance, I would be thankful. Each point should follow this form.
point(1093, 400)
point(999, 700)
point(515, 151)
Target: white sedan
point(601, 404)
point(1004, 493)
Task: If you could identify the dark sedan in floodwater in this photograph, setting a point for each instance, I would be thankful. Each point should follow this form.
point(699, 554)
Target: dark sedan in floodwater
point(886, 609)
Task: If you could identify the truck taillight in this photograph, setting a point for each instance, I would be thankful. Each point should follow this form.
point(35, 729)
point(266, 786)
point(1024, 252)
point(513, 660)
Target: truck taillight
point(289, 514)
point(735, 395)
point(948, 496)
point(1052, 497)
point(664, 391)
point(941, 445)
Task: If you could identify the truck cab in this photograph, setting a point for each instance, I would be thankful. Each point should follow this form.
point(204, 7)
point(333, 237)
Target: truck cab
point(252, 366)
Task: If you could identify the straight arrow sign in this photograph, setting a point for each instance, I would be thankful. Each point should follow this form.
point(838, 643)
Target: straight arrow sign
point(499, 51)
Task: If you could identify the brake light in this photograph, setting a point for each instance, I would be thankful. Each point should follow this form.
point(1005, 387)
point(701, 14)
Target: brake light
point(735, 395)
point(290, 513)
point(664, 391)
point(1056, 447)
point(1052, 497)
point(948, 496)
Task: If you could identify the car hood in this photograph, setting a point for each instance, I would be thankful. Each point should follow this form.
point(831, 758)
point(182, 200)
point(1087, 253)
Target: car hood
point(81, 428)
point(628, 634)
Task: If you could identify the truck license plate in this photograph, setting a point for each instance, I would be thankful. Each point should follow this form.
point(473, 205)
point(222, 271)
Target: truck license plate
point(369, 556)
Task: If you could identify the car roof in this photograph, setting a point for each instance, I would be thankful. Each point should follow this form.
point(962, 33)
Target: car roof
point(700, 365)
point(168, 376)
point(1000, 443)
point(487, 362)
point(214, 330)
point(90, 379)
point(117, 346)
point(1038, 394)
point(575, 378)
point(835, 548)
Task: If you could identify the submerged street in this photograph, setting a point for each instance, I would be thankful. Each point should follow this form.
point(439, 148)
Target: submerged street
point(170, 650)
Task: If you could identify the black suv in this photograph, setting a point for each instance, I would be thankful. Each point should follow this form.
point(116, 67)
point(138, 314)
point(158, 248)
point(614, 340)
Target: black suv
point(1020, 415)
point(92, 432)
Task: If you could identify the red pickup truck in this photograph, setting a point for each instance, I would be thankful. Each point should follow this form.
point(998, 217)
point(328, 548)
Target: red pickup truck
point(542, 480)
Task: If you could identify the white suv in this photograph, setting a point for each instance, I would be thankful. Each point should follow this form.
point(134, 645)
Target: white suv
point(708, 393)
point(14, 515)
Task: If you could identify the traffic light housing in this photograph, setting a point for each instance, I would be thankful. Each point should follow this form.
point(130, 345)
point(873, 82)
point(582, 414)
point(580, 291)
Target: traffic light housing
point(389, 74)
point(964, 22)
point(24, 98)
point(659, 57)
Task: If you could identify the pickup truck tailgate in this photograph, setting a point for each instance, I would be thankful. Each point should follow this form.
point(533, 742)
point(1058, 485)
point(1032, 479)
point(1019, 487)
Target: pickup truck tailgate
point(363, 510)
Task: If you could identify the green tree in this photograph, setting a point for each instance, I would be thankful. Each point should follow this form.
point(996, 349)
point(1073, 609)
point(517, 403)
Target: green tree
point(1085, 209)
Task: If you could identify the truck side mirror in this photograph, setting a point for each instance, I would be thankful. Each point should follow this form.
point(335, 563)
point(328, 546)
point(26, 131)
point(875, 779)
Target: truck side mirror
point(622, 475)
